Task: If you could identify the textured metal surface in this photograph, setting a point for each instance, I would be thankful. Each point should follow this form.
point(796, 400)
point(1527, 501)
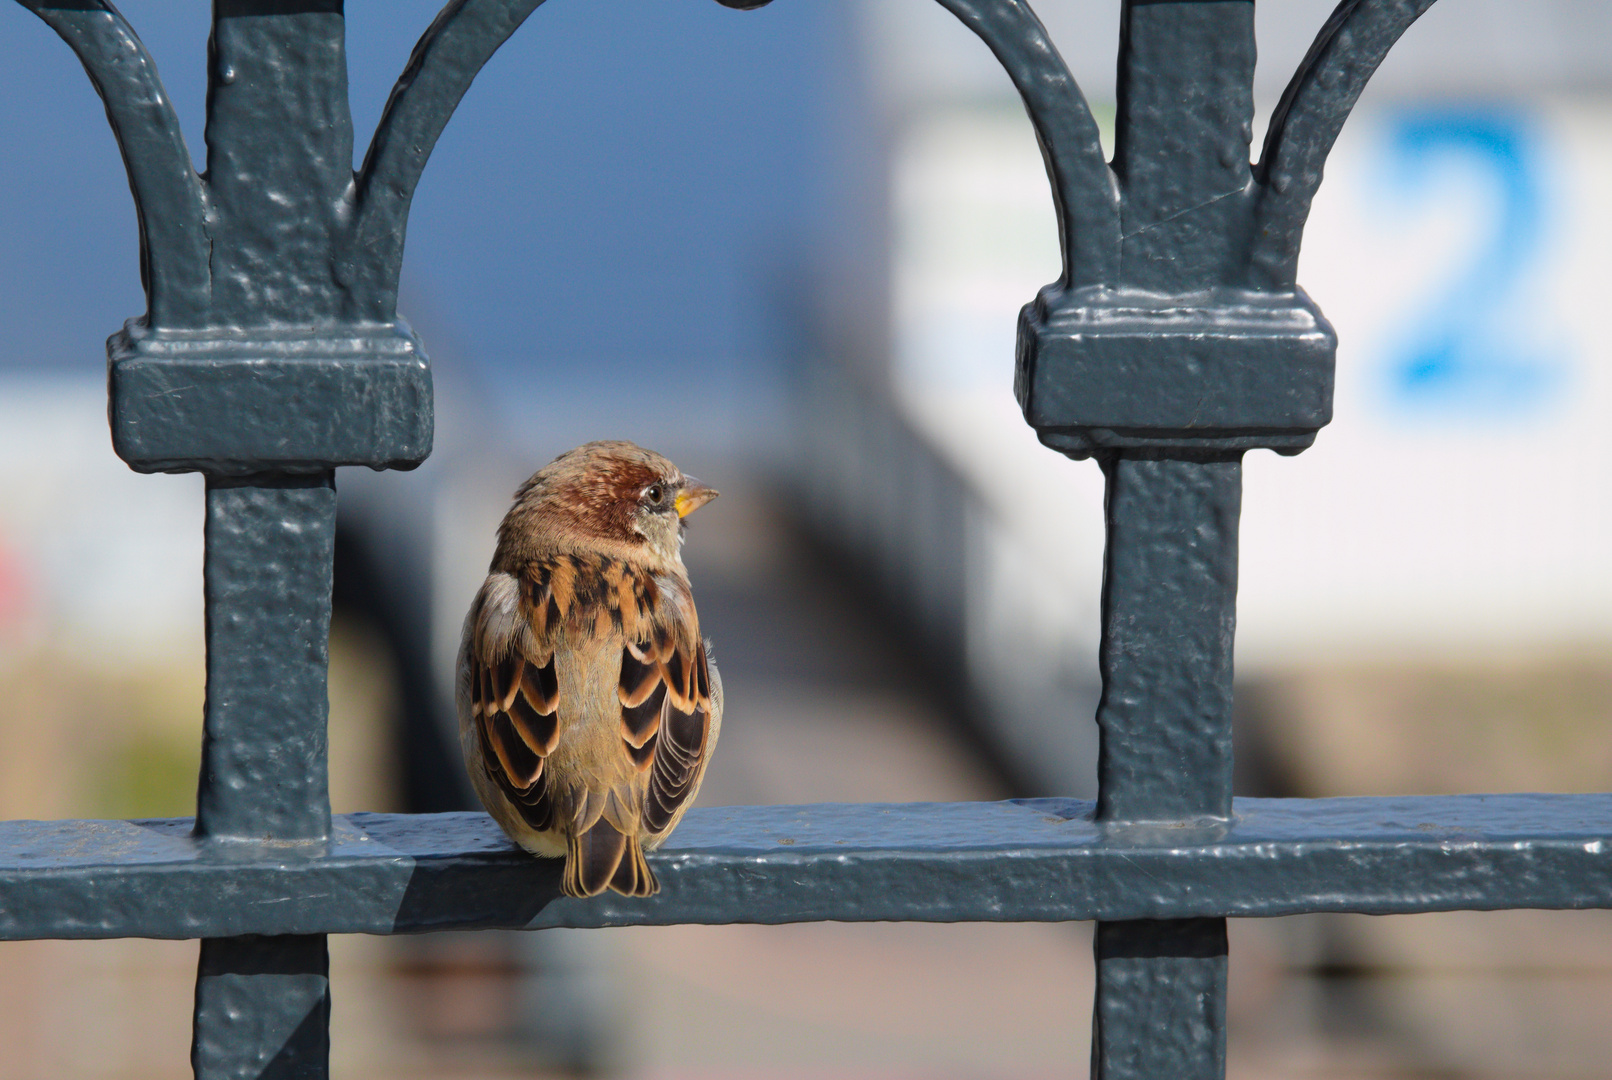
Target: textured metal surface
point(239, 404)
point(262, 1009)
point(1169, 611)
point(1186, 99)
point(279, 160)
point(271, 340)
point(267, 587)
point(1157, 978)
point(270, 353)
point(1226, 369)
point(1180, 363)
point(1035, 860)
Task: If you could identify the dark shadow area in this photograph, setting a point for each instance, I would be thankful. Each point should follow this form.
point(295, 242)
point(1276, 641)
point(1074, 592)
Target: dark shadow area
point(374, 584)
point(1257, 768)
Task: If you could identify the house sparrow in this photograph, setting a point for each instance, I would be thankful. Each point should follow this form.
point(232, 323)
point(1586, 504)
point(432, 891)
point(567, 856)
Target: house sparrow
point(588, 706)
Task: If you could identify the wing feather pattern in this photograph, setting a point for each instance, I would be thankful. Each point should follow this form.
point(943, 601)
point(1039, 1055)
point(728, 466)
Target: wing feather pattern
point(665, 709)
point(684, 745)
point(515, 695)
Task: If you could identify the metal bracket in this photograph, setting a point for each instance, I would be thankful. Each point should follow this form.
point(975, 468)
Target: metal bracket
point(233, 404)
point(1225, 370)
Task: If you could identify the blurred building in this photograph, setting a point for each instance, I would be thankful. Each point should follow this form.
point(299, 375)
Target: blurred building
point(1460, 499)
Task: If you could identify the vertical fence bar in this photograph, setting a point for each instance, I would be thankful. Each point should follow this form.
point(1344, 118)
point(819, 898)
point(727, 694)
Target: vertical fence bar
point(1169, 614)
point(262, 1009)
point(1160, 1008)
point(280, 146)
point(270, 545)
point(279, 161)
point(1169, 589)
point(1170, 567)
point(263, 1003)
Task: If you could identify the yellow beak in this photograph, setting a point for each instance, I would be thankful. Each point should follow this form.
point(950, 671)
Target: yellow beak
point(692, 496)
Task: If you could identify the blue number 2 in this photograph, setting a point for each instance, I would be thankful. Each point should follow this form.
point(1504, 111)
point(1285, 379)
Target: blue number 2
point(1475, 349)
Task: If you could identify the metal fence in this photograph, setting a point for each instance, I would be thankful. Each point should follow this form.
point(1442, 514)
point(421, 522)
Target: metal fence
point(1176, 340)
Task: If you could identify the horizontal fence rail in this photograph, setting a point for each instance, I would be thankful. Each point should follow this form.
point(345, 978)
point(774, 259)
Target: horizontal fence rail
point(1027, 860)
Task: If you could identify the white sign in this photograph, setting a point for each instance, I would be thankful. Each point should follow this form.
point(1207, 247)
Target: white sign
point(1461, 498)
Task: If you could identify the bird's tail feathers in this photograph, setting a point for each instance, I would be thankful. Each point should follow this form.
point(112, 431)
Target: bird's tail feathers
point(603, 858)
point(633, 876)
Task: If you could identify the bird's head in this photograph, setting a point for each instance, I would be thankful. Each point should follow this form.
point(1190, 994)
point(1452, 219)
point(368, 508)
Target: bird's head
point(615, 493)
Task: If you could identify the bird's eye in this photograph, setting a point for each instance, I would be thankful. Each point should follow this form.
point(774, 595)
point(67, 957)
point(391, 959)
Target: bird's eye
point(655, 494)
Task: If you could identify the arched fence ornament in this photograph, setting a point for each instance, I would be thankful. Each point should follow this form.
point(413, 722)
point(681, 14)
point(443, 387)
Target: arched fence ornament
point(1175, 340)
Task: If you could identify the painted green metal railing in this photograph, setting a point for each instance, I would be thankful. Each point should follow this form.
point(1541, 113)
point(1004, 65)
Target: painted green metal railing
point(1176, 340)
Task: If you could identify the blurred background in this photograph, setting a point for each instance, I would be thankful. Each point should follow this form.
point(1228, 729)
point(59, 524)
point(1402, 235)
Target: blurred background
point(787, 248)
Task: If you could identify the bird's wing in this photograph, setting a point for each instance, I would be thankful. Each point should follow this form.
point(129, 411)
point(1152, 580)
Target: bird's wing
point(666, 710)
point(515, 694)
point(663, 693)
